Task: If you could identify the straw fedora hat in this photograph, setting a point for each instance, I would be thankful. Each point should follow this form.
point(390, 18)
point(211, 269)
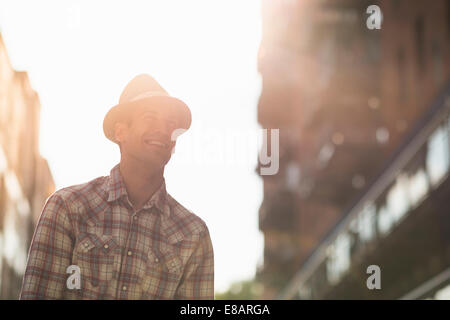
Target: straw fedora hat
point(141, 92)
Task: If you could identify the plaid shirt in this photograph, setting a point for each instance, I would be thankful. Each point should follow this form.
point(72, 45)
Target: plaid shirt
point(162, 251)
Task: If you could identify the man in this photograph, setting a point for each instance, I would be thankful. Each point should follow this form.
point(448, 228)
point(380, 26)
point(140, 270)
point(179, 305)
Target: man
point(123, 236)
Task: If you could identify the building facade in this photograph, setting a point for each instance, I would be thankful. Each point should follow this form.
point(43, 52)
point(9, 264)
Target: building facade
point(25, 178)
point(344, 97)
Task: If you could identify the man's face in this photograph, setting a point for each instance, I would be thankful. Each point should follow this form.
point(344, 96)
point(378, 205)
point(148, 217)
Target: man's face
point(147, 136)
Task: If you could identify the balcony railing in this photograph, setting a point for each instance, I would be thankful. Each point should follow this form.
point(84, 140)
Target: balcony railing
point(418, 166)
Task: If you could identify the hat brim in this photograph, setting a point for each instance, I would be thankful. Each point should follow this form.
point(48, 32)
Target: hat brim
point(122, 110)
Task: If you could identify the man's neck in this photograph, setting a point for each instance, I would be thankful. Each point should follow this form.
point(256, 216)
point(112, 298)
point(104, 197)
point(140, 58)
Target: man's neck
point(141, 181)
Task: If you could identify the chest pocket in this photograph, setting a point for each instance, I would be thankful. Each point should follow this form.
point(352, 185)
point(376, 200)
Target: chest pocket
point(162, 276)
point(97, 256)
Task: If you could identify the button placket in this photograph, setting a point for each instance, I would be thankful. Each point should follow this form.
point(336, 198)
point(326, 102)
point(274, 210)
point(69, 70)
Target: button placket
point(134, 217)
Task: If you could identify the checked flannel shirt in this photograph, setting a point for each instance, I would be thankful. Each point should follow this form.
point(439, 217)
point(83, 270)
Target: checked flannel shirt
point(162, 251)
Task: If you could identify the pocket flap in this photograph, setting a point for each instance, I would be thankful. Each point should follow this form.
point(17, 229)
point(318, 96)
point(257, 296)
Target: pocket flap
point(169, 261)
point(88, 241)
point(173, 262)
point(153, 258)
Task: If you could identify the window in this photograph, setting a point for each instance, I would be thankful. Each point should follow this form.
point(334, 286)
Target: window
point(418, 187)
point(438, 65)
point(437, 160)
point(419, 30)
point(366, 223)
point(338, 261)
point(385, 221)
point(397, 198)
point(401, 74)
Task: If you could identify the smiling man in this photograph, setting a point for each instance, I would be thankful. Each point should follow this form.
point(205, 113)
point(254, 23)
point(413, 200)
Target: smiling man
point(127, 237)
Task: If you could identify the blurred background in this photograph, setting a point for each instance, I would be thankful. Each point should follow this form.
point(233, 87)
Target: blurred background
point(363, 114)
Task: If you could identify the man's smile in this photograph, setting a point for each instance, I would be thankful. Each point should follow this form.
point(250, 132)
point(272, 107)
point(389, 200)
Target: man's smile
point(155, 142)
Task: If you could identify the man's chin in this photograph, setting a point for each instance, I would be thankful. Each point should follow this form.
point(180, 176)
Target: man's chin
point(156, 160)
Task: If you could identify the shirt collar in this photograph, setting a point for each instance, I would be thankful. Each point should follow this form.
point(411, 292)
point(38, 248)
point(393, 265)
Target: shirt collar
point(116, 190)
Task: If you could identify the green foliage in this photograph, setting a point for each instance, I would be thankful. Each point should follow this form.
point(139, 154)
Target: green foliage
point(243, 290)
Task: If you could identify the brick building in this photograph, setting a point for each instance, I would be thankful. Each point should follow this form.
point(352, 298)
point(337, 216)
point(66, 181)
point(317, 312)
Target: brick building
point(25, 178)
point(344, 98)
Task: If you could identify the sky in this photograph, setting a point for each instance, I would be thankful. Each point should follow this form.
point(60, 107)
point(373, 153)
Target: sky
point(79, 55)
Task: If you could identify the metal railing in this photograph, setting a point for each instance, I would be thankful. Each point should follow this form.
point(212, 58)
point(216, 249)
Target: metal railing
point(432, 132)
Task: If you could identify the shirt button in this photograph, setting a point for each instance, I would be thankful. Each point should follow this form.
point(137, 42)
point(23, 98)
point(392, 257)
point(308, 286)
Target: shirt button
point(135, 218)
point(130, 253)
point(156, 260)
point(86, 244)
point(106, 246)
point(124, 288)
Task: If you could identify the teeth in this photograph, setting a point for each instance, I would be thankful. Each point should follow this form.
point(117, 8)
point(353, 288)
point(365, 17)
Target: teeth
point(157, 143)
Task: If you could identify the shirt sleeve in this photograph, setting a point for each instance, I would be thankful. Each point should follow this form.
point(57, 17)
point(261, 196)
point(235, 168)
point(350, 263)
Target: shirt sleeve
point(50, 253)
point(197, 282)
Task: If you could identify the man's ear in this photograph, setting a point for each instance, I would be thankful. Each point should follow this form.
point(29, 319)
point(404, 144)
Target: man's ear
point(119, 131)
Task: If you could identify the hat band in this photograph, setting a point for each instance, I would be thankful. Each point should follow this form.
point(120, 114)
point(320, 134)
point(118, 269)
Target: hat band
point(148, 94)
